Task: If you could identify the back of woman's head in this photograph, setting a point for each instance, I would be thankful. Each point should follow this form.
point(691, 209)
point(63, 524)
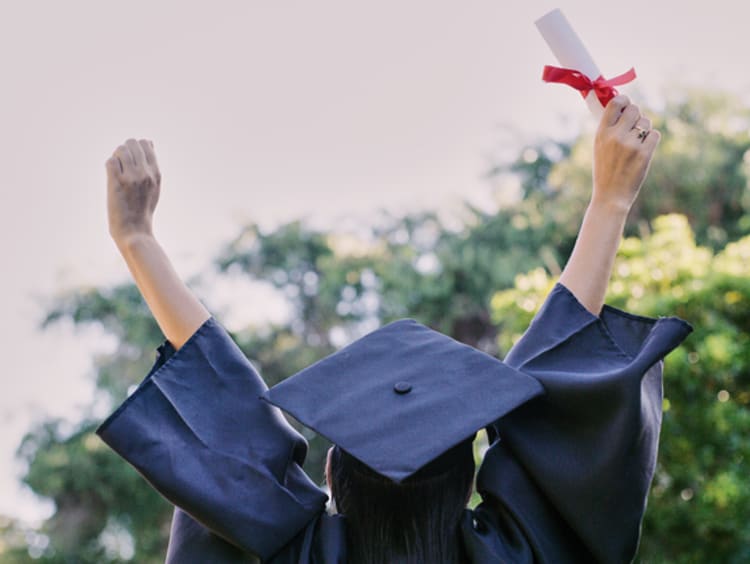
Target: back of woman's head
point(412, 522)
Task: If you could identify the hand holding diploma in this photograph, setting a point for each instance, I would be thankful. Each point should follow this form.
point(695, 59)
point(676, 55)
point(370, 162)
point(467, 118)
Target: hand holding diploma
point(580, 70)
point(623, 148)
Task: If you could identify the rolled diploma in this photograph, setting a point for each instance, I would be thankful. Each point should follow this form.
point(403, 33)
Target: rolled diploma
point(570, 51)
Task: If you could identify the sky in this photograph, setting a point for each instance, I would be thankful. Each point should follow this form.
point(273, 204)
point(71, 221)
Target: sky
point(328, 110)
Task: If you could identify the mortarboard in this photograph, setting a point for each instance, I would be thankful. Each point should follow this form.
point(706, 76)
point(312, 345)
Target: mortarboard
point(401, 396)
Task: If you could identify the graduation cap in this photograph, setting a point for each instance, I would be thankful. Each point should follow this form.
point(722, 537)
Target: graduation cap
point(399, 397)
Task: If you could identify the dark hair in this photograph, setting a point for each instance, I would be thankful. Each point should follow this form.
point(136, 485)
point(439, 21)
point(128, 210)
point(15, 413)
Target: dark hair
point(414, 522)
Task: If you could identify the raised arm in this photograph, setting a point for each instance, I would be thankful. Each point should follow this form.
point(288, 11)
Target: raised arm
point(622, 156)
point(133, 184)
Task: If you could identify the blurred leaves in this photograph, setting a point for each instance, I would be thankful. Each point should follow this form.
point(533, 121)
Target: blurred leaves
point(699, 508)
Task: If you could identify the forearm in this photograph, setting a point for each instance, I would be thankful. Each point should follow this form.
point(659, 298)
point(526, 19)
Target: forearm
point(174, 306)
point(623, 149)
point(589, 267)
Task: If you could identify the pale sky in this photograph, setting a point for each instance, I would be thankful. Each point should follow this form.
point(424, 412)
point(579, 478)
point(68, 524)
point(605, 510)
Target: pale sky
point(271, 111)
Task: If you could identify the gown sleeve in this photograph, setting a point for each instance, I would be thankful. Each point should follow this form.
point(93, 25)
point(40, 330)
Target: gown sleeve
point(197, 430)
point(573, 466)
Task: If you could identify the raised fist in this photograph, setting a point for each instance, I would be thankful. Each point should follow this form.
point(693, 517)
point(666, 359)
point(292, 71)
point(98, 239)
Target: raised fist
point(133, 183)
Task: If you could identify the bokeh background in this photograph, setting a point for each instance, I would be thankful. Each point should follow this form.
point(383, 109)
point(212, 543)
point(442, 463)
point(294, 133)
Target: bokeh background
point(330, 166)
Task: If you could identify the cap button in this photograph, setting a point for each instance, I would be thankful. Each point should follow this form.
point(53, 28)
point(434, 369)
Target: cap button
point(402, 387)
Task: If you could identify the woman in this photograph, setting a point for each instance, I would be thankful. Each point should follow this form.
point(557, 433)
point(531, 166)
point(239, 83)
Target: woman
point(573, 413)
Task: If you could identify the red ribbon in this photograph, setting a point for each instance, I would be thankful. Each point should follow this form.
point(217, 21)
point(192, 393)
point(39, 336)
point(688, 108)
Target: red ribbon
point(604, 88)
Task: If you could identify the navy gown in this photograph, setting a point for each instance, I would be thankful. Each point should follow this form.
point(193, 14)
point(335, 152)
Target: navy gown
point(565, 479)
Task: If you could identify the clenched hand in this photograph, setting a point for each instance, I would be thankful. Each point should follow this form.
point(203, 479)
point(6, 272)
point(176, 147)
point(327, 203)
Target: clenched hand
point(133, 184)
point(623, 149)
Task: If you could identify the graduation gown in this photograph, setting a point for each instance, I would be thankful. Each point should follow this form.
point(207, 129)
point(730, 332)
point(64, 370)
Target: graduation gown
point(565, 479)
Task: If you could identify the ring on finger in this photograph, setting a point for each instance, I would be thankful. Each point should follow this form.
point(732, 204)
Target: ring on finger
point(642, 132)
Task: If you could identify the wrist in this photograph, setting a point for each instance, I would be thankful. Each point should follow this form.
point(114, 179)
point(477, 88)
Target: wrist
point(610, 207)
point(128, 242)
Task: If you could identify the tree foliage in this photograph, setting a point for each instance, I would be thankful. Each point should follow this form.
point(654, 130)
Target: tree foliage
point(699, 506)
point(462, 279)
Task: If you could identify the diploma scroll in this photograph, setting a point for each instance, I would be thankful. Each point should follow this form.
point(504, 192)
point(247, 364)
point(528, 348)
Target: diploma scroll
point(571, 53)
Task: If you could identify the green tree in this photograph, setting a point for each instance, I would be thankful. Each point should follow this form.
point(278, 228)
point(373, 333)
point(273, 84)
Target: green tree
point(699, 506)
point(700, 171)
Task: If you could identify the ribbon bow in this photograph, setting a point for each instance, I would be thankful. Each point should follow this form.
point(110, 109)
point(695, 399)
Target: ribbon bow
point(604, 88)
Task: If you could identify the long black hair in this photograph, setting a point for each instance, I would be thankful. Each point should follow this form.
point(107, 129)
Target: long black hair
point(414, 522)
